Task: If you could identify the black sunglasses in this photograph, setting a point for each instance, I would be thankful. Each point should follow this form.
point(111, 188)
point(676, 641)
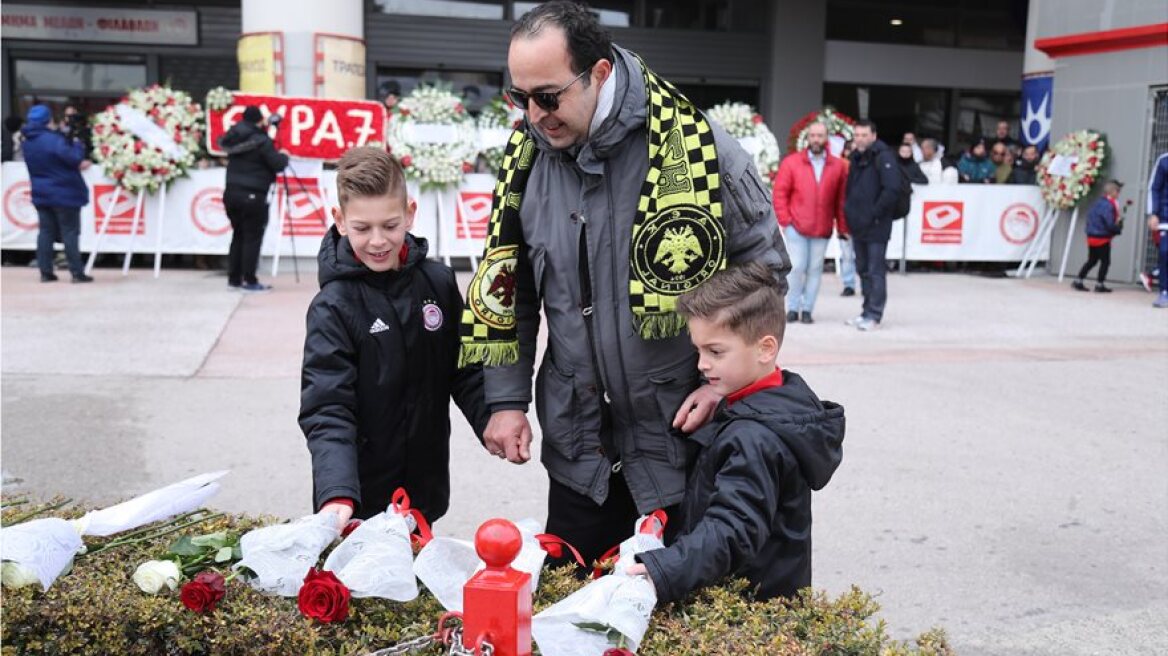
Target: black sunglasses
point(548, 101)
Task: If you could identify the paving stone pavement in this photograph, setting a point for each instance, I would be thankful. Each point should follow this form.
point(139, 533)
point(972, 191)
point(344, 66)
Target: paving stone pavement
point(1005, 471)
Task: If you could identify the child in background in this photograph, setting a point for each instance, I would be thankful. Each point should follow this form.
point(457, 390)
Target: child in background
point(747, 506)
point(1104, 222)
point(380, 354)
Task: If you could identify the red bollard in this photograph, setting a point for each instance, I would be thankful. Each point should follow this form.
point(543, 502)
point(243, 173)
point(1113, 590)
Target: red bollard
point(497, 601)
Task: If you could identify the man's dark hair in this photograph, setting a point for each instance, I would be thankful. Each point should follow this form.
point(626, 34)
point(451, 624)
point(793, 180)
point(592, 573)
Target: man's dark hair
point(13, 123)
point(865, 123)
point(588, 42)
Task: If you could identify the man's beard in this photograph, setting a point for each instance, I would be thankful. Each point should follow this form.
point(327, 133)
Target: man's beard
point(816, 149)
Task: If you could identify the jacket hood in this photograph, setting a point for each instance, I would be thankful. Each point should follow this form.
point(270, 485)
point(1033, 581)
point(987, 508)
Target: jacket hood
point(812, 430)
point(336, 260)
point(242, 137)
point(628, 114)
point(34, 131)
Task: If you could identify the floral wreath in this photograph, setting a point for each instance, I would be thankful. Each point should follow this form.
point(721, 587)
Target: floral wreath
point(1087, 151)
point(499, 114)
point(220, 98)
point(743, 123)
point(435, 161)
point(837, 123)
point(149, 138)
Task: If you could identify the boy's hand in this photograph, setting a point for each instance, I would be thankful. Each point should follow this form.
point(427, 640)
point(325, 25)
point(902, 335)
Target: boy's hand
point(343, 512)
point(1153, 222)
point(508, 435)
point(697, 409)
point(639, 569)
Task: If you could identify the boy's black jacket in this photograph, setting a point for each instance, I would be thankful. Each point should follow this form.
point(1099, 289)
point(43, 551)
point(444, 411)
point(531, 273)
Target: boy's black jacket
point(379, 373)
point(747, 507)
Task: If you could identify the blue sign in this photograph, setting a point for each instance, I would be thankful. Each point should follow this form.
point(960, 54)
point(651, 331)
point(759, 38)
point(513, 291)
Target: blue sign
point(1037, 97)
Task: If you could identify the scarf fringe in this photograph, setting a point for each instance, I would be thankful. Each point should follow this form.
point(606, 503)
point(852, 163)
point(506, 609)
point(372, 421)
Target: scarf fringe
point(492, 354)
point(661, 325)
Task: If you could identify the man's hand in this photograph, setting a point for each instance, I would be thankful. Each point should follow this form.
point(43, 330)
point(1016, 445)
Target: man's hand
point(343, 512)
point(508, 435)
point(1153, 222)
point(697, 409)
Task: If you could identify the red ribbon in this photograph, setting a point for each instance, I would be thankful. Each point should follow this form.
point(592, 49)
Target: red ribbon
point(553, 545)
point(654, 524)
point(400, 502)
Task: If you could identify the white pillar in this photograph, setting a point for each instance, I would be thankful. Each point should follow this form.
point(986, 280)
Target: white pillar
point(299, 21)
point(1037, 84)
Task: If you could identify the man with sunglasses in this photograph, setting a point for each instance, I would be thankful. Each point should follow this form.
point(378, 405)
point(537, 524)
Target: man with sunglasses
point(584, 227)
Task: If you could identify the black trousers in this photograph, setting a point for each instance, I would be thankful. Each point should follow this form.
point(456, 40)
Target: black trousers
point(594, 529)
point(1100, 255)
point(248, 212)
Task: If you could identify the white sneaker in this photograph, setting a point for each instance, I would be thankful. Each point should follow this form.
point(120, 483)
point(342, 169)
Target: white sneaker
point(1146, 281)
point(868, 325)
point(854, 321)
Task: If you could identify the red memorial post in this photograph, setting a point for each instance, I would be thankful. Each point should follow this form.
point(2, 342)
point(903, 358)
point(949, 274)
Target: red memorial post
point(497, 600)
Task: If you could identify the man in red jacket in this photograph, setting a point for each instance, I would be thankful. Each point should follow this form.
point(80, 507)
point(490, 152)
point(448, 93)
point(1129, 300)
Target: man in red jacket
point(809, 199)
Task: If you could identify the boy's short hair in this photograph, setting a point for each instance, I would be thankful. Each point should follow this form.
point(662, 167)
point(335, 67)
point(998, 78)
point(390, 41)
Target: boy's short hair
point(1112, 184)
point(369, 171)
point(745, 299)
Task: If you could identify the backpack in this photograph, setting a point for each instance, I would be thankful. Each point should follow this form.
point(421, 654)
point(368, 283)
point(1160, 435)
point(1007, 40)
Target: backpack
point(903, 195)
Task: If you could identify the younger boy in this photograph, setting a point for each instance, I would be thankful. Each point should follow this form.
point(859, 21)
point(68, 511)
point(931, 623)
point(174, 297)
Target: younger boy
point(380, 354)
point(1104, 222)
point(747, 507)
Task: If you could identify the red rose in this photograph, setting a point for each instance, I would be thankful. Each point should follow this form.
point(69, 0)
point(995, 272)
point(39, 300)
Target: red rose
point(406, 161)
point(467, 167)
point(203, 592)
point(756, 119)
point(458, 108)
point(405, 112)
point(618, 651)
point(324, 597)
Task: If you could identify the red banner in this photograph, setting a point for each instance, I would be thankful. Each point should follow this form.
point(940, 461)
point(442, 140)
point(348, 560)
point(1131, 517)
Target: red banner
point(313, 128)
point(306, 213)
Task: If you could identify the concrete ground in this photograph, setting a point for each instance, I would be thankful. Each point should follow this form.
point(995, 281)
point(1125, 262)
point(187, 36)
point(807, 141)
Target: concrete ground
point(1005, 472)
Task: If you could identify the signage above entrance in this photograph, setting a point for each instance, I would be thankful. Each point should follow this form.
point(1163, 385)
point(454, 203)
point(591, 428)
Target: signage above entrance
point(54, 23)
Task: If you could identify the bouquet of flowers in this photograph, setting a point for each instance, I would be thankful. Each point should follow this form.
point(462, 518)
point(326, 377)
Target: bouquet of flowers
point(747, 125)
point(838, 125)
point(1071, 168)
point(149, 138)
point(219, 98)
point(432, 136)
point(495, 124)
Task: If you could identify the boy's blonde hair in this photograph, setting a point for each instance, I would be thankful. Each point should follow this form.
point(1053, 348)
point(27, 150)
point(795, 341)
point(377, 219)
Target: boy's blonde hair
point(368, 171)
point(744, 299)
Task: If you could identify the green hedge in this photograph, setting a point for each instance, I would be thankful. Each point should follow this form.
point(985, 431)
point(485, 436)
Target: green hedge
point(97, 609)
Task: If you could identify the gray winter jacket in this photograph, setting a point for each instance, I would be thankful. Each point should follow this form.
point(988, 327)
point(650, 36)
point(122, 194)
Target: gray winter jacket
point(598, 185)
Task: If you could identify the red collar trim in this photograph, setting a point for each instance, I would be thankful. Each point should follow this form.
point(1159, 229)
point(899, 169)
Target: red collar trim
point(774, 379)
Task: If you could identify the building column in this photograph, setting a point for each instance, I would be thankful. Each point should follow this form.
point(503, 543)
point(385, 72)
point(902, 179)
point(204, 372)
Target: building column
point(298, 22)
point(798, 43)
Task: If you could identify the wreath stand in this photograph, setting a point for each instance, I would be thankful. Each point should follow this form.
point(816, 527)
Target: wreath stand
point(101, 232)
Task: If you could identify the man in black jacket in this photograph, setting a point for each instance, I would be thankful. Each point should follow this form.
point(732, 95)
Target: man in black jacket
point(873, 185)
point(252, 165)
point(1026, 169)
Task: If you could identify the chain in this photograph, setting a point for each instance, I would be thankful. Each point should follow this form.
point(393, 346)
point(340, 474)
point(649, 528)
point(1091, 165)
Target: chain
point(417, 644)
point(422, 642)
point(457, 648)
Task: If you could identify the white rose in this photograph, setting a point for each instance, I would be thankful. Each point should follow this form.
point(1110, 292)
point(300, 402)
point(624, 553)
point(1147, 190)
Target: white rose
point(15, 575)
point(153, 574)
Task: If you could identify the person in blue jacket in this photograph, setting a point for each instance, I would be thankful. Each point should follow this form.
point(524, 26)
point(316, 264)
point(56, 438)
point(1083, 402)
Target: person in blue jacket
point(59, 192)
point(1104, 222)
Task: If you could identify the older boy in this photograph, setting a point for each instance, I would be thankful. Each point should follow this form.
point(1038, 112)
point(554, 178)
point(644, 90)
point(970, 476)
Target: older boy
point(380, 354)
point(747, 507)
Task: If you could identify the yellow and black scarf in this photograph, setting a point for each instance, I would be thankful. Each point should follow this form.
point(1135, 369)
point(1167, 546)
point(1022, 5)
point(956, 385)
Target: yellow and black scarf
point(678, 240)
